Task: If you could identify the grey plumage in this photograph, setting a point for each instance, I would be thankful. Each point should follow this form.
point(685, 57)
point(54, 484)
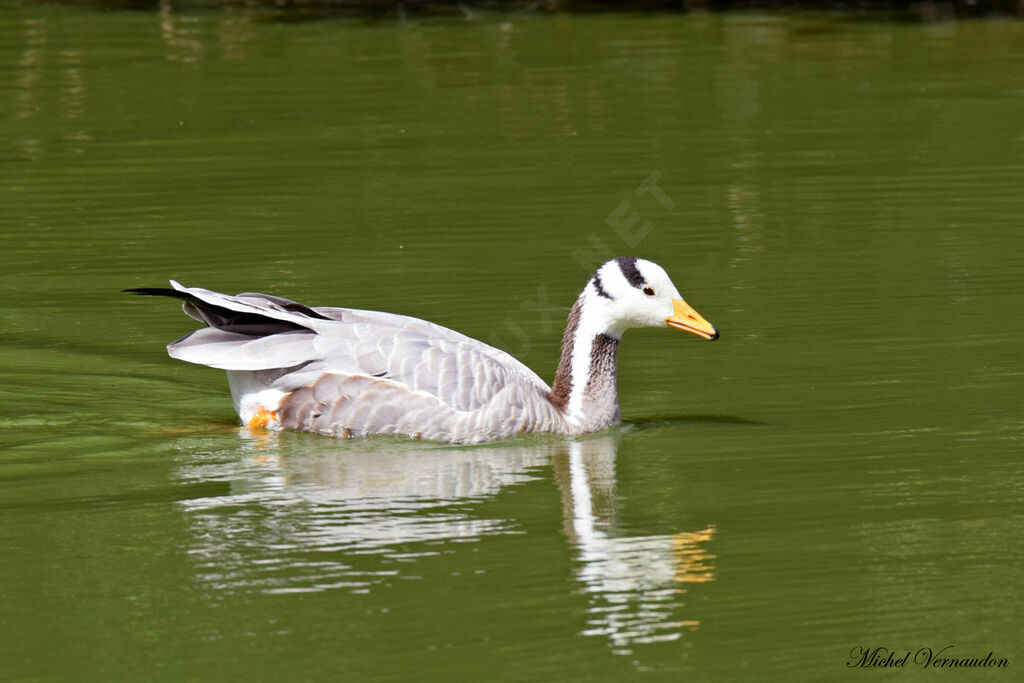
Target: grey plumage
point(349, 372)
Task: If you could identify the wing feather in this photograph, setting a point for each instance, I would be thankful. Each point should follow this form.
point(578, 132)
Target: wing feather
point(361, 372)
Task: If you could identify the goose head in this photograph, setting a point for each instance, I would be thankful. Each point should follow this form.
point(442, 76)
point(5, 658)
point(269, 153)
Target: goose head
point(632, 292)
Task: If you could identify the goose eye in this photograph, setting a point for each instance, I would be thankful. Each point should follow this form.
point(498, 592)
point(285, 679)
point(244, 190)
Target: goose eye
point(648, 291)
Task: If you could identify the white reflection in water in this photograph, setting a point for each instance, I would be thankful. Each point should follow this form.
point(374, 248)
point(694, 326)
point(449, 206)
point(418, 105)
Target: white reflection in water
point(180, 33)
point(634, 582)
point(345, 514)
point(356, 514)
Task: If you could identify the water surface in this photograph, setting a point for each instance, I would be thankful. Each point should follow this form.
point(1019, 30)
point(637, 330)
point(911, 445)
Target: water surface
point(842, 199)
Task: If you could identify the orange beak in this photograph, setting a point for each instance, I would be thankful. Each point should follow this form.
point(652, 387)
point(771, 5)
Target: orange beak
point(686, 319)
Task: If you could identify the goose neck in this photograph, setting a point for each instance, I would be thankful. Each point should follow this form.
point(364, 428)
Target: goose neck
point(584, 389)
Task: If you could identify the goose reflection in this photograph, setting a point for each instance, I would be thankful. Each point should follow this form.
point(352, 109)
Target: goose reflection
point(306, 515)
point(634, 583)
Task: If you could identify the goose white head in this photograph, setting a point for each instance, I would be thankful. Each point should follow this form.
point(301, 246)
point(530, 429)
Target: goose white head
point(633, 292)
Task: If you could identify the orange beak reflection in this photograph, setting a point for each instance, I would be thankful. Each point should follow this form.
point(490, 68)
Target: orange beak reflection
point(686, 319)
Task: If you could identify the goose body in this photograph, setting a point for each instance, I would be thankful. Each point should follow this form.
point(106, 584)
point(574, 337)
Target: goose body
point(347, 372)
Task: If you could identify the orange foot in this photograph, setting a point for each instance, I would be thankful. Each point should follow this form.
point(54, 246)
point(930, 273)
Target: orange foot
point(262, 417)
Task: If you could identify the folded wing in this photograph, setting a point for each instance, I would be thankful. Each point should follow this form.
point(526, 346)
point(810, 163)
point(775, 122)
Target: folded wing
point(364, 371)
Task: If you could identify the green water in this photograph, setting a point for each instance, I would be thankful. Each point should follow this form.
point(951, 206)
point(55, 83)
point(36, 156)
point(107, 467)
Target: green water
point(842, 199)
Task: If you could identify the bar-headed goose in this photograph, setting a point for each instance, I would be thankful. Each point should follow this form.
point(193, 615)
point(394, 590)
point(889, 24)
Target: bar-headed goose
point(348, 372)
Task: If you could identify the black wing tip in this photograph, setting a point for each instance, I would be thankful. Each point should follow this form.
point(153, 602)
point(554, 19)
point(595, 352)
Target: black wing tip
point(153, 291)
point(231, 316)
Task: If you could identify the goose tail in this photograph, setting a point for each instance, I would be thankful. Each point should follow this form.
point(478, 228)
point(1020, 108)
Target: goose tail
point(248, 331)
